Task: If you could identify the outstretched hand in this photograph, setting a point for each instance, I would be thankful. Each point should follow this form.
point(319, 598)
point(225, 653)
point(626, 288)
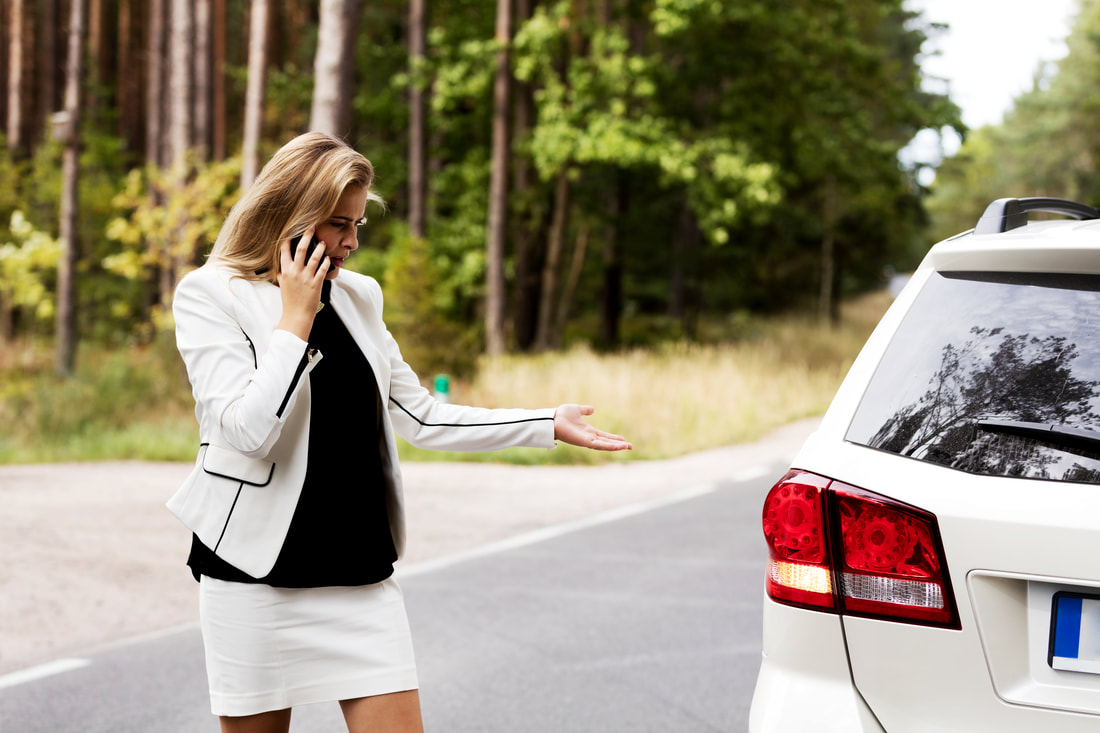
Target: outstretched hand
point(570, 427)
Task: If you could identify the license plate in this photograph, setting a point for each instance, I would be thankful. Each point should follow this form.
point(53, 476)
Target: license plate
point(1075, 632)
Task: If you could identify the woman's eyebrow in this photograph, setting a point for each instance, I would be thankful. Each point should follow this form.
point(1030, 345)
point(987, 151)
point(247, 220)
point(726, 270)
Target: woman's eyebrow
point(347, 219)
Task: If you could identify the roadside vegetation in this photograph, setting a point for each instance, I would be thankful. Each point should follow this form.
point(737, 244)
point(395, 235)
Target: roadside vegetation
point(135, 403)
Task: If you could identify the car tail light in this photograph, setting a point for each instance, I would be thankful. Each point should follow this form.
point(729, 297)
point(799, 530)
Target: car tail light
point(833, 547)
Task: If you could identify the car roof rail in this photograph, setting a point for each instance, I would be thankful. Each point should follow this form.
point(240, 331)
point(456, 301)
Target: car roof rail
point(1006, 214)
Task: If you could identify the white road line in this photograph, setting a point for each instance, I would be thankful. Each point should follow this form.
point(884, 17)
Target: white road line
point(754, 472)
point(557, 530)
point(48, 669)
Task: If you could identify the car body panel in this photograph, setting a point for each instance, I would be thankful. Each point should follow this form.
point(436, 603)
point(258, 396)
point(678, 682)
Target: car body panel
point(1009, 543)
point(804, 682)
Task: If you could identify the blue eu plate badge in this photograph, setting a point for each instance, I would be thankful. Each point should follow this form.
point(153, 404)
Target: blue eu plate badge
point(1075, 633)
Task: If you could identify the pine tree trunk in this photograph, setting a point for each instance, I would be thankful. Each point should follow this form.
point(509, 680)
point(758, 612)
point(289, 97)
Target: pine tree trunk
point(525, 296)
point(611, 302)
point(47, 77)
point(219, 124)
point(498, 186)
point(66, 269)
point(154, 100)
point(684, 298)
point(15, 82)
point(546, 338)
point(569, 290)
point(180, 131)
point(418, 161)
point(130, 87)
point(156, 56)
point(254, 96)
point(333, 67)
point(5, 42)
point(179, 81)
point(203, 73)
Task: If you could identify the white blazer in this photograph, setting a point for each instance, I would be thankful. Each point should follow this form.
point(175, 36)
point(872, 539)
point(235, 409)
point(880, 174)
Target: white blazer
point(252, 403)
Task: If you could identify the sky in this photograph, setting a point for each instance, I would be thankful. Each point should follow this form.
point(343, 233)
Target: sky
point(988, 56)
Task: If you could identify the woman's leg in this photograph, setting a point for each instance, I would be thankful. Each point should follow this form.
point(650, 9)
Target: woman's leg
point(397, 712)
point(276, 721)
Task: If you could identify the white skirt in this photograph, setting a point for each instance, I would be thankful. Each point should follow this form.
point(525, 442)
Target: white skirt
point(275, 648)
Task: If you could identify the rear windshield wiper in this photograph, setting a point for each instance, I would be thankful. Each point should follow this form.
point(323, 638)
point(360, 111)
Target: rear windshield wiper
point(1074, 439)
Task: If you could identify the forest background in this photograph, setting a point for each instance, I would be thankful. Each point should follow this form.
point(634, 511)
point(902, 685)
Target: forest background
point(658, 192)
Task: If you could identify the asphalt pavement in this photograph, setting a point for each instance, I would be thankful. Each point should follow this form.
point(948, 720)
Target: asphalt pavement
point(643, 618)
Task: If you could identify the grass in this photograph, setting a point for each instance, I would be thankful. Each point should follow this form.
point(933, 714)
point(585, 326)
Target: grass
point(126, 403)
point(670, 400)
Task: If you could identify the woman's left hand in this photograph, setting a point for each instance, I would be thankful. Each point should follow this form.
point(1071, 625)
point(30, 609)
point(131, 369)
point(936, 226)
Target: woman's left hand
point(570, 427)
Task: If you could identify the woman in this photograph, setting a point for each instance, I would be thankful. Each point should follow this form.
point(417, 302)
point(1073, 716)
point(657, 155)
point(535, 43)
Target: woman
point(295, 501)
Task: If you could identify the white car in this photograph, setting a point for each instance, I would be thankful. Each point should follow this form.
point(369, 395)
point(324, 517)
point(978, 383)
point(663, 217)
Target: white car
point(934, 552)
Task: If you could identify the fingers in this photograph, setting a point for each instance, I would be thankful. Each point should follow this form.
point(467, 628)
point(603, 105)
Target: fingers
point(299, 256)
point(610, 444)
point(570, 427)
point(303, 245)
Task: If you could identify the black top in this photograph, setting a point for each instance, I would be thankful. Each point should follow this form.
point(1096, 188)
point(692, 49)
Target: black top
point(340, 532)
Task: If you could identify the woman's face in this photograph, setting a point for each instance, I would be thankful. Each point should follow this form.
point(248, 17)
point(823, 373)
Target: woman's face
point(338, 231)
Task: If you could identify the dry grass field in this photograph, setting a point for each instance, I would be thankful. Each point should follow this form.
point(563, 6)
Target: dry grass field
point(668, 400)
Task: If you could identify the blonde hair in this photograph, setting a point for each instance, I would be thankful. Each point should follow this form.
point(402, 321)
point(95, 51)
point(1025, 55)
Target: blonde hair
point(299, 187)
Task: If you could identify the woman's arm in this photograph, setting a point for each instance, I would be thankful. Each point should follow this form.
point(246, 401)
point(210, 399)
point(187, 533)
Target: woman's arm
point(243, 396)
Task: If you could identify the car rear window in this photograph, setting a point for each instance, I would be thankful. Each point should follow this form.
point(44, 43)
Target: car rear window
point(995, 374)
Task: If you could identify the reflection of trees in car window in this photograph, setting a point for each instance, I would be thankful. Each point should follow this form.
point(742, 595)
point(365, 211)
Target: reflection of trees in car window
point(994, 374)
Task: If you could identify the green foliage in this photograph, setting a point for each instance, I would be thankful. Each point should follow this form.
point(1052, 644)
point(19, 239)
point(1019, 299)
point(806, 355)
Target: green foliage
point(715, 144)
point(28, 266)
point(1046, 145)
point(417, 312)
point(600, 108)
point(167, 220)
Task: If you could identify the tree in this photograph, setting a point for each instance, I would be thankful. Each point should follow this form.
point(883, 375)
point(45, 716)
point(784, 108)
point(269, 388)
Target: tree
point(180, 82)
point(203, 73)
point(498, 182)
point(48, 80)
point(66, 271)
point(156, 83)
point(218, 92)
point(1046, 145)
point(254, 98)
point(524, 227)
point(334, 68)
point(16, 82)
point(418, 159)
point(128, 95)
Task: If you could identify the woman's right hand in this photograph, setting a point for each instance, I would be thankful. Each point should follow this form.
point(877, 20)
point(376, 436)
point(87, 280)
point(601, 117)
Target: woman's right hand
point(300, 280)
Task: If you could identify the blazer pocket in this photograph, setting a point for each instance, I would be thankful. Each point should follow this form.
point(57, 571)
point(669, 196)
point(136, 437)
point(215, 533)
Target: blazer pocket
point(230, 464)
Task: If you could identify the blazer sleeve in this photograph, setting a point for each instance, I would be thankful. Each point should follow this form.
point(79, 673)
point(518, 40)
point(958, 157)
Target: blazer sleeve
point(427, 423)
point(245, 397)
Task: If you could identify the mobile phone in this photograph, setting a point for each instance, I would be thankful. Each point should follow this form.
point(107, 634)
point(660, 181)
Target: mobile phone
point(296, 240)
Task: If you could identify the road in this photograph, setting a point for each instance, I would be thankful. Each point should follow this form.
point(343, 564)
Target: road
point(645, 619)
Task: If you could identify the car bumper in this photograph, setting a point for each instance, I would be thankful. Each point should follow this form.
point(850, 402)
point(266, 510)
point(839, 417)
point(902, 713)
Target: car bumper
point(804, 681)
